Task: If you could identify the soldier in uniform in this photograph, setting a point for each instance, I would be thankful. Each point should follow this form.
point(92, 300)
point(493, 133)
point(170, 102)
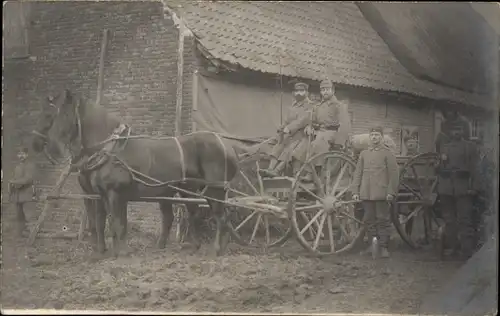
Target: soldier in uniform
point(451, 118)
point(456, 188)
point(375, 183)
point(21, 187)
point(292, 131)
point(328, 128)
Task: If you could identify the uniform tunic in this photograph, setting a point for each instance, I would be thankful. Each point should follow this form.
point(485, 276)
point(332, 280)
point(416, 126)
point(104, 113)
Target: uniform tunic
point(296, 120)
point(455, 179)
point(23, 175)
point(376, 174)
point(330, 119)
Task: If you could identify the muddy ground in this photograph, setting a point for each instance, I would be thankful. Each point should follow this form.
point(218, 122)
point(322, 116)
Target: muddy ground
point(56, 273)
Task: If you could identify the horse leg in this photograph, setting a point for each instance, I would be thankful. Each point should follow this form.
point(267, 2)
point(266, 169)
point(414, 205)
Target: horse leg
point(167, 218)
point(218, 208)
point(194, 229)
point(99, 216)
point(90, 207)
point(117, 205)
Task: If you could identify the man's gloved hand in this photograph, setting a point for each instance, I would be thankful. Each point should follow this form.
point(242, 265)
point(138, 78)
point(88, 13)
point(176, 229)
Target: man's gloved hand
point(286, 130)
point(308, 130)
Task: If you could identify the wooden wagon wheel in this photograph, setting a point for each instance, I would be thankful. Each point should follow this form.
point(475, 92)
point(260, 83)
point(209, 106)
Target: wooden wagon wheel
point(413, 212)
point(322, 211)
point(257, 227)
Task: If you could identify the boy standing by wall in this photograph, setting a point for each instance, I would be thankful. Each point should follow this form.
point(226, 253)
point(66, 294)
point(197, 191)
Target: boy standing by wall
point(21, 187)
point(375, 183)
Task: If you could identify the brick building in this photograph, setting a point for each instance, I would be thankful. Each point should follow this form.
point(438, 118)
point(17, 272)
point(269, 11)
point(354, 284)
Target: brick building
point(237, 56)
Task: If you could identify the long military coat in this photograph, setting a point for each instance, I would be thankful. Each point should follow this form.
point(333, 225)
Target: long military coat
point(296, 120)
point(457, 168)
point(23, 176)
point(376, 174)
point(325, 116)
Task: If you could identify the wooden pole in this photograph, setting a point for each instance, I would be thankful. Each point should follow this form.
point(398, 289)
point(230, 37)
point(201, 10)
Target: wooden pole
point(55, 191)
point(195, 101)
point(180, 76)
point(100, 78)
point(100, 83)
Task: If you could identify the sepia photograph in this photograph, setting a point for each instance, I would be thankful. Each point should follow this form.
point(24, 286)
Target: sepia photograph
point(250, 157)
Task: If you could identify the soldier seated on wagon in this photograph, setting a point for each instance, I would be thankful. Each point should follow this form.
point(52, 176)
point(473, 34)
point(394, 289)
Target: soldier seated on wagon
point(21, 187)
point(291, 132)
point(329, 126)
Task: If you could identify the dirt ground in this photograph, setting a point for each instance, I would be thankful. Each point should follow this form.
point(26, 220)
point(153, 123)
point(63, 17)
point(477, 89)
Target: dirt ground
point(56, 273)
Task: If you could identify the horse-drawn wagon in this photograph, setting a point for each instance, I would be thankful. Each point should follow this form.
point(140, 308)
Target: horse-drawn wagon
point(203, 169)
point(320, 213)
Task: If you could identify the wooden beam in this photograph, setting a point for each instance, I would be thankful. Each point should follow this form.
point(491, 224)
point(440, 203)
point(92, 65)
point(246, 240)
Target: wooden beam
point(56, 191)
point(100, 78)
point(195, 101)
point(180, 76)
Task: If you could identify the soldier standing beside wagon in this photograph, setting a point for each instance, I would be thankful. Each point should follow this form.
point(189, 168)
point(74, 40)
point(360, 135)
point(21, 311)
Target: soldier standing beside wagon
point(375, 183)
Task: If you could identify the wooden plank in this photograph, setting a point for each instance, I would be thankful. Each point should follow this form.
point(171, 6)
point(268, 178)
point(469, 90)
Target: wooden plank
point(100, 78)
point(195, 101)
point(180, 76)
point(56, 191)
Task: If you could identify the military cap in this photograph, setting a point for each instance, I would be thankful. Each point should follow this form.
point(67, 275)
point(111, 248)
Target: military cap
point(301, 85)
point(326, 84)
point(377, 129)
point(24, 150)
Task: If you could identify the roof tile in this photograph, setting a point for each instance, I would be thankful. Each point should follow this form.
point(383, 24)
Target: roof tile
point(306, 39)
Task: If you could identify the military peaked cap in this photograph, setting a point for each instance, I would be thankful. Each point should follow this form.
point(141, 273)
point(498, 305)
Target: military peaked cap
point(326, 84)
point(24, 149)
point(377, 129)
point(301, 85)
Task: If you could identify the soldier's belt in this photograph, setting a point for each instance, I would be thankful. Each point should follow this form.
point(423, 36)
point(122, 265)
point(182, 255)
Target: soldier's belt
point(327, 127)
point(456, 173)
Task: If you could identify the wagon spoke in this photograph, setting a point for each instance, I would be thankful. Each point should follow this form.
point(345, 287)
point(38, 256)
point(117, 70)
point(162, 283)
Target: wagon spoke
point(328, 173)
point(255, 228)
point(412, 214)
point(309, 208)
point(314, 219)
point(341, 193)
point(350, 216)
point(417, 194)
point(266, 224)
point(317, 180)
point(303, 187)
point(237, 192)
point(330, 232)
point(339, 178)
point(320, 231)
point(249, 182)
point(259, 178)
point(246, 220)
point(307, 219)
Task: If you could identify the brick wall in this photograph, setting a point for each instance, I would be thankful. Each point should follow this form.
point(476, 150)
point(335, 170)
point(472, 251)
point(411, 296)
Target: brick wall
point(372, 107)
point(65, 40)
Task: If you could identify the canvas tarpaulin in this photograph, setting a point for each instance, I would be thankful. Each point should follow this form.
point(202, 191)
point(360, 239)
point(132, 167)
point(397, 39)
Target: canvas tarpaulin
point(238, 110)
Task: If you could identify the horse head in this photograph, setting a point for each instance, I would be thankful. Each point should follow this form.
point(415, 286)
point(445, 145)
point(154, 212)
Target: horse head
point(58, 128)
point(48, 112)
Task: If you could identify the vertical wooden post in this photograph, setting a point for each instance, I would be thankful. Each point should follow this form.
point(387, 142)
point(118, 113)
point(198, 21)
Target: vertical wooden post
point(100, 78)
point(180, 76)
point(195, 100)
point(100, 83)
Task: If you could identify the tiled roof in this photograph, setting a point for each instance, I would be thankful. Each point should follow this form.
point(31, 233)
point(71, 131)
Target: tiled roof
point(310, 40)
point(449, 43)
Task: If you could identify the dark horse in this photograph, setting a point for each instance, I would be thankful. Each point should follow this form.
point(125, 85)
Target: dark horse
point(122, 169)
